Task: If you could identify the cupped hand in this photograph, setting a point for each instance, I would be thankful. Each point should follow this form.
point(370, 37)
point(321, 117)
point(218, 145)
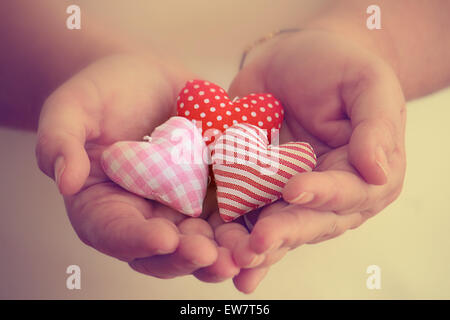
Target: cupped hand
point(122, 97)
point(347, 102)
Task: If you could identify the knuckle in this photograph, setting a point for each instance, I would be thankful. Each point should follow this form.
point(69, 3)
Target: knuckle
point(369, 213)
point(333, 228)
point(146, 268)
point(395, 194)
point(84, 238)
point(365, 200)
point(360, 219)
point(41, 148)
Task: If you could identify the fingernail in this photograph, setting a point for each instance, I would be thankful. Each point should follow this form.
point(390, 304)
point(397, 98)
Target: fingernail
point(381, 160)
point(275, 246)
point(198, 263)
point(257, 260)
point(59, 169)
point(303, 198)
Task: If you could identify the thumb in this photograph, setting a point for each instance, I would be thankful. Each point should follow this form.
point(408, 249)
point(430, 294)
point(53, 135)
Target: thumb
point(378, 116)
point(60, 148)
point(248, 80)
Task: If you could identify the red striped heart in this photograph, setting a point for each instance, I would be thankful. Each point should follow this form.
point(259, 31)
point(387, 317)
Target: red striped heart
point(209, 106)
point(250, 173)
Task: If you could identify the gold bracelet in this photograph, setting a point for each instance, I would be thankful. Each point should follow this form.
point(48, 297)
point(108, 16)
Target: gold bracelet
point(262, 40)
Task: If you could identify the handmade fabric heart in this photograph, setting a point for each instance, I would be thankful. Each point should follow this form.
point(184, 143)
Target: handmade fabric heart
point(209, 106)
point(169, 168)
point(250, 173)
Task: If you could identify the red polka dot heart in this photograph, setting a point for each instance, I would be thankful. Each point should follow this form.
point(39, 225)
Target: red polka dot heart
point(210, 108)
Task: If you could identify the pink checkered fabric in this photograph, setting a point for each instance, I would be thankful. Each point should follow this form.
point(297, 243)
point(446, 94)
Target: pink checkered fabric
point(169, 168)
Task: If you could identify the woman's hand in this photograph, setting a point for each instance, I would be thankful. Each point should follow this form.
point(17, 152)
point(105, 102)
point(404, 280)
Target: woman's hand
point(122, 97)
point(346, 102)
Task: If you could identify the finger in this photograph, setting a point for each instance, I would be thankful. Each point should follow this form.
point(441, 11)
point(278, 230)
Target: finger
point(294, 226)
point(244, 256)
point(377, 114)
point(194, 252)
point(215, 220)
point(331, 190)
point(191, 226)
point(221, 270)
point(119, 230)
point(114, 221)
point(248, 279)
point(60, 148)
point(228, 235)
point(248, 80)
point(235, 237)
point(273, 256)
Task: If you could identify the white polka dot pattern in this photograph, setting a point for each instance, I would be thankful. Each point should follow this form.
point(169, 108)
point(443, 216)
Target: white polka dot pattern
point(211, 107)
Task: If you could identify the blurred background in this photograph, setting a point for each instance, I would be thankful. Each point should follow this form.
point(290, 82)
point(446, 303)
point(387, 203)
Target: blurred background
point(409, 240)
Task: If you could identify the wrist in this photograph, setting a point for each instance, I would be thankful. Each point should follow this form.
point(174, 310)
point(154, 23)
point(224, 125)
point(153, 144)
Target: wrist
point(265, 42)
point(378, 42)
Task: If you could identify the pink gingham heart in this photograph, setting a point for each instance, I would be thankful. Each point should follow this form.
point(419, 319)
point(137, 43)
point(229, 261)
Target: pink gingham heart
point(169, 168)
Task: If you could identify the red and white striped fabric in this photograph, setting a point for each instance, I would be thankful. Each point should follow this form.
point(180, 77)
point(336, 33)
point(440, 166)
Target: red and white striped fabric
point(169, 168)
point(250, 173)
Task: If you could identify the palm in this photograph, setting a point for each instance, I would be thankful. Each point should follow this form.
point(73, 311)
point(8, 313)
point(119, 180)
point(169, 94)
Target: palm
point(143, 102)
point(322, 79)
point(124, 98)
point(346, 102)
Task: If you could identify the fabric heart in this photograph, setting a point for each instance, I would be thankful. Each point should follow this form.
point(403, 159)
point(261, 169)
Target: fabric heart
point(209, 106)
point(250, 173)
point(169, 168)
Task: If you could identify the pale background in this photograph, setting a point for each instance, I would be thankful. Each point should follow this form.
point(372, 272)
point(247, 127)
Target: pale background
point(409, 240)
